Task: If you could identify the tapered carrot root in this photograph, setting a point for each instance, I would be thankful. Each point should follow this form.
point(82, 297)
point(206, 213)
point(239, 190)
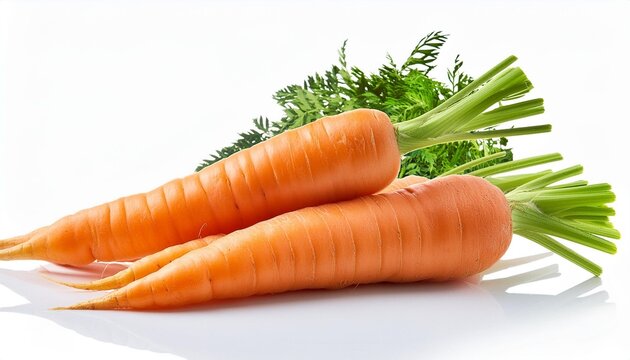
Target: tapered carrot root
point(154, 262)
point(442, 229)
point(302, 167)
point(8, 243)
point(143, 267)
point(17, 240)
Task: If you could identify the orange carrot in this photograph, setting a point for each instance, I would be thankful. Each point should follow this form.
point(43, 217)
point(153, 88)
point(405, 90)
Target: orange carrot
point(302, 167)
point(446, 228)
point(442, 229)
point(333, 159)
point(143, 267)
point(154, 262)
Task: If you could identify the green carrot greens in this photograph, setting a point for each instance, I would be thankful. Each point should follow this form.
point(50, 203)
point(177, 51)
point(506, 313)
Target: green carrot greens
point(408, 92)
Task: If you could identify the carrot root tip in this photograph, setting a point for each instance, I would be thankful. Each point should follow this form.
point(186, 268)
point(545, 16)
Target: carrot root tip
point(108, 302)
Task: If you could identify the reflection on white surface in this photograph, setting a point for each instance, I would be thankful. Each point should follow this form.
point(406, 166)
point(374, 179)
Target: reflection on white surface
point(420, 319)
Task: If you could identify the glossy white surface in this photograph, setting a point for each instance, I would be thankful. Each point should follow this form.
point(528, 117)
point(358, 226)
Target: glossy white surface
point(103, 99)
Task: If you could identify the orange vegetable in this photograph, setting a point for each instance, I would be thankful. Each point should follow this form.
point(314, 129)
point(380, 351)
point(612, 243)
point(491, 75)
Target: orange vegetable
point(143, 267)
point(446, 228)
point(333, 159)
point(154, 262)
point(302, 167)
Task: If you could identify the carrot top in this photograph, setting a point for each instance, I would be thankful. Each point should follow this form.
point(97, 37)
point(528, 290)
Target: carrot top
point(543, 208)
point(459, 117)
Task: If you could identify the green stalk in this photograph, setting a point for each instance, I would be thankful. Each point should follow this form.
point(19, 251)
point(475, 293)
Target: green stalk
point(471, 164)
point(472, 86)
point(489, 134)
point(517, 164)
point(459, 117)
point(575, 211)
point(502, 113)
point(551, 178)
point(570, 184)
point(508, 183)
point(586, 211)
point(555, 246)
point(529, 218)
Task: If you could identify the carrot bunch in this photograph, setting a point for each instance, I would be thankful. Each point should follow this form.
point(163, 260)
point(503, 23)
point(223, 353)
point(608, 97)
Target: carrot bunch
point(333, 159)
point(417, 229)
point(318, 207)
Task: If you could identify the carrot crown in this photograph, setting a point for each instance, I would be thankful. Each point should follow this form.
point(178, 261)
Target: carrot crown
point(543, 209)
point(459, 117)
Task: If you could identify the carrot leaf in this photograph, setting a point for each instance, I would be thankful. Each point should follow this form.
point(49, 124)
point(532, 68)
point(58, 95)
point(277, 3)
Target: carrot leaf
point(402, 91)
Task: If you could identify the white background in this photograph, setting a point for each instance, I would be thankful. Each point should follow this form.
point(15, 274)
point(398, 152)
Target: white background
point(100, 99)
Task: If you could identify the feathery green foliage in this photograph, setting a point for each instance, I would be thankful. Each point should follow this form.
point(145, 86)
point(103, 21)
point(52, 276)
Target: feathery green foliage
point(403, 92)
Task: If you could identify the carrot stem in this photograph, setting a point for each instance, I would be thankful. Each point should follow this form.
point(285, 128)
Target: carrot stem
point(555, 246)
point(458, 118)
point(475, 84)
point(516, 164)
point(471, 164)
point(529, 218)
point(574, 211)
point(509, 183)
point(510, 112)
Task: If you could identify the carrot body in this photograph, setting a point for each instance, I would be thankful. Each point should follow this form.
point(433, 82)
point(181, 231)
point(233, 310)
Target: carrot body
point(321, 162)
point(447, 228)
point(152, 263)
point(143, 267)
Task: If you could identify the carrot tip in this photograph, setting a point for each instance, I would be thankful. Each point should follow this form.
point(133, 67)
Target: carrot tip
point(81, 286)
point(15, 252)
point(9, 243)
point(79, 306)
point(107, 302)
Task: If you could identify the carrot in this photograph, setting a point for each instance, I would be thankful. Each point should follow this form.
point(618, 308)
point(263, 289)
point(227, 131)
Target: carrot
point(439, 230)
point(154, 262)
point(143, 267)
point(333, 159)
point(450, 227)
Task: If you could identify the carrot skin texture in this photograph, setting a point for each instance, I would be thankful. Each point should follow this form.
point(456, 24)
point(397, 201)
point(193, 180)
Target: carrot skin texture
point(151, 263)
point(333, 159)
point(143, 267)
point(450, 227)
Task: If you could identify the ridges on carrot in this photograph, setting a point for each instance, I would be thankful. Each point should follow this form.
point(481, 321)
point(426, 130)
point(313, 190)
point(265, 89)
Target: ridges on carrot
point(333, 159)
point(155, 261)
point(441, 229)
point(450, 227)
point(151, 263)
point(142, 267)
